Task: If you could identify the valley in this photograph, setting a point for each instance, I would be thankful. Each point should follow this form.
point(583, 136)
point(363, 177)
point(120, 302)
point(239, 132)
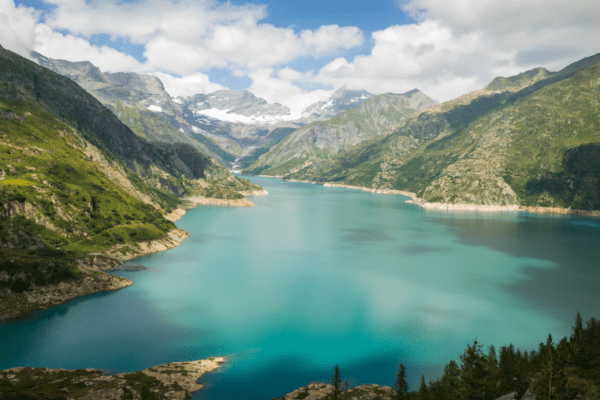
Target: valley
point(99, 168)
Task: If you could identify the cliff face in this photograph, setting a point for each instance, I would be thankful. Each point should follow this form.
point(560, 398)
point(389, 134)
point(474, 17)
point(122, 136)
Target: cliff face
point(527, 140)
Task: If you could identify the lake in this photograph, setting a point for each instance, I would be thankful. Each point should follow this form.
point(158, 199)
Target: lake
point(316, 276)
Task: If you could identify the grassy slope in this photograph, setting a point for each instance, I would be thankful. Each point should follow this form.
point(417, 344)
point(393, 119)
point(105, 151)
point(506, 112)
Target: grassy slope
point(66, 187)
point(63, 206)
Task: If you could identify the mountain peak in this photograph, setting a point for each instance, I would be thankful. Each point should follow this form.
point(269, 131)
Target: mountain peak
point(519, 81)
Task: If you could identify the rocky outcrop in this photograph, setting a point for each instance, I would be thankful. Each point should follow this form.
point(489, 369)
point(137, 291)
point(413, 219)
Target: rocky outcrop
point(318, 391)
point(14, 305)
point(173, 381)
point(124, 252)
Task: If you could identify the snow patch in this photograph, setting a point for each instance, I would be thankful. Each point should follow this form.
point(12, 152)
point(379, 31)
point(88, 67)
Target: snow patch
point(224, 115)
point(181, 130)
point(177, 100)
point(155, 108)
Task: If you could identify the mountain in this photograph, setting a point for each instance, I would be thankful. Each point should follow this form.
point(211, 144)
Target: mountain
point(341, 100)
point(226, 124)
point(320, 139)
point(529, 140)
point(79, 191)
point(237, 106)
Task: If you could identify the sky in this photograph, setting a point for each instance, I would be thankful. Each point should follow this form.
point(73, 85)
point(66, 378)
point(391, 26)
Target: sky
point(297, 52)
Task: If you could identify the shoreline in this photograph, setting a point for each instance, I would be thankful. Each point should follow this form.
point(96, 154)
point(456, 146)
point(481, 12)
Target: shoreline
point(194, 201)
point(496, 208)
point(176, 380)
point(464, 207)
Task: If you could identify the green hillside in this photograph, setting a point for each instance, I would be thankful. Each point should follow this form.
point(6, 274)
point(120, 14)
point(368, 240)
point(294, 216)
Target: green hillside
point(57, 205)
point(77, 184)
point(534, 145)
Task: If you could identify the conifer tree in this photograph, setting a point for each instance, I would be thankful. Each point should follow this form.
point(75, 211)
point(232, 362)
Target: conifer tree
point(577, 344)
point(475, 374)
point(491, 375)
point(450, 384)
point(401, 386)
point(336, 381)
point(423, 391)
point(545, 384)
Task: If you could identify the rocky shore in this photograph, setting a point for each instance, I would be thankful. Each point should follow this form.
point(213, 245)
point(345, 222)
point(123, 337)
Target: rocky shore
point(469, 207)
point(15, 305)
point(378, 191)
point(194, 201)
point(495, 208)
point(92, 280)
point(173, 381)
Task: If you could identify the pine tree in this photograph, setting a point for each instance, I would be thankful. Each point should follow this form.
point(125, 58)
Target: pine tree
point(475, 374)
point(545, 385)
point(577, 343)
point(450, 384)
point(400, 385)
point(423, 391)
point(491, 375)
point(336, 381)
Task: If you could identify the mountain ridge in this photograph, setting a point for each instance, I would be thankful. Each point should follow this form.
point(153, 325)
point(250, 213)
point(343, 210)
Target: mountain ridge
point(320, 139)
point(471, 150)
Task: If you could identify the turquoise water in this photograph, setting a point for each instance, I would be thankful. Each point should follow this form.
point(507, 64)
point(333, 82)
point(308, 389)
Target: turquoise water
point(312, 277)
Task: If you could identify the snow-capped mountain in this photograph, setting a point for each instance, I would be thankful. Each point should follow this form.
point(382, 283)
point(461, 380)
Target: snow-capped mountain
point(236, 106)
point(341, 100)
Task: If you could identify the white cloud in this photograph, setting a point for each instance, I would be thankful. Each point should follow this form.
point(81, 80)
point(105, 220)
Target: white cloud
point(186, 36)
point(21, 32)
point(68, 47)
point(460, 46)
point(507, 16)
point(453, 48)
point(17, 26)
point(188, 85)
point(280, 88)
point(427, 55)
point(563, 31)
point(329, 38)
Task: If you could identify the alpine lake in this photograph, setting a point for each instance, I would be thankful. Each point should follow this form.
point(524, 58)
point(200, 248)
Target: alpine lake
point(313, 277)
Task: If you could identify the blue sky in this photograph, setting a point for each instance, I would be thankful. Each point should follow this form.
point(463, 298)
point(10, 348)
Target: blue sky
point(298, 52)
